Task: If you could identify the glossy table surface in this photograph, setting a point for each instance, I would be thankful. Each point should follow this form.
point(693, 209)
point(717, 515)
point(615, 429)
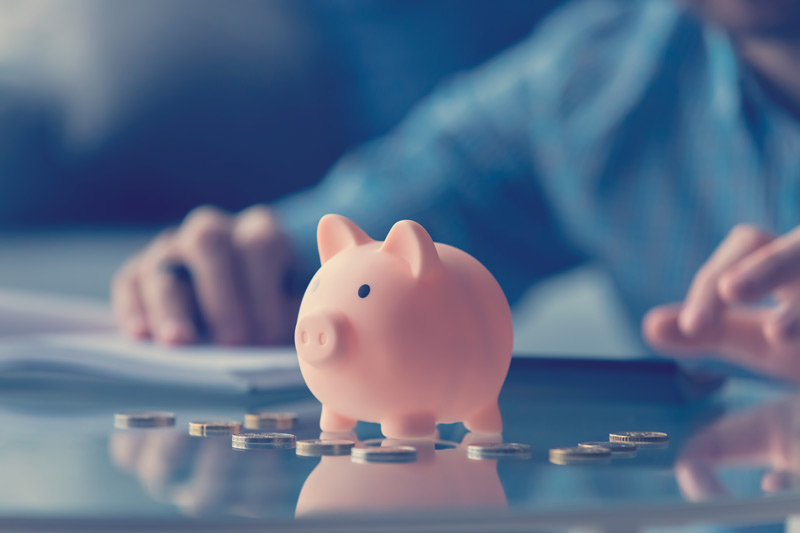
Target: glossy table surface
point(733, 458)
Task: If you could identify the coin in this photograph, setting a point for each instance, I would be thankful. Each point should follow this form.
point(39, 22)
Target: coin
point(144, 419)
point(383, 454)
point(497, 450)
point(269, 420)
point(617, 449)
point(249, 441)
point(216, 427)
point(580, 455)
point(649, 439)
point(317, 447)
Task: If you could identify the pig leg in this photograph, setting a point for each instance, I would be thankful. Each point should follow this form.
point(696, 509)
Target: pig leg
point(487, 419)
point(330, 421)
point(409, 426)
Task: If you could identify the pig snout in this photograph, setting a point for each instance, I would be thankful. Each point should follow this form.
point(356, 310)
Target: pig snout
point(319, 336)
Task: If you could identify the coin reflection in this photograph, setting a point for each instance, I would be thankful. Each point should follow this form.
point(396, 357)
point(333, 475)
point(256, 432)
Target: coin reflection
point(442, 478)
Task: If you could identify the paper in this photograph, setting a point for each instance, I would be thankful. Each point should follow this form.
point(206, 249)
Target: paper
point(33, 339)
point(28, 313)
point(111, 356)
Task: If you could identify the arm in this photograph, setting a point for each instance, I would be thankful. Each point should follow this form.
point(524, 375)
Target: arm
point(472, 164)
point(461, 164)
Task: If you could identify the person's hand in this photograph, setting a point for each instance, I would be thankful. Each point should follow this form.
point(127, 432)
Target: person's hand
point(203, 475)
point(237, 267)
point(715, 318)
point(764, 438)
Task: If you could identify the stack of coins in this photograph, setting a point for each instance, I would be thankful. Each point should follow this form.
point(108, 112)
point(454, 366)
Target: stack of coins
point(253, 441)
point(383, 454)
point(648, 439)
point(270, 420)
point(580, 455)
point(619, 450)
point(318, 447)
point(144, 419)
point(499, 450)
point(217, 427)
point(620, 444)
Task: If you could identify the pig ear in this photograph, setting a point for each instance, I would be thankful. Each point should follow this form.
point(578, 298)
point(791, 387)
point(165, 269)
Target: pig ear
point(335, 233)
point(410, 242)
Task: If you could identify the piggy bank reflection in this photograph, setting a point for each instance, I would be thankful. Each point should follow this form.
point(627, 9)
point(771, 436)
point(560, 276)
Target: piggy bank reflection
point(443, 479)
point(406, 333)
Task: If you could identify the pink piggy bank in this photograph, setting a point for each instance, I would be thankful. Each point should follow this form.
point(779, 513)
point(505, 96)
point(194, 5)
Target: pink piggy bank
point(406, 332)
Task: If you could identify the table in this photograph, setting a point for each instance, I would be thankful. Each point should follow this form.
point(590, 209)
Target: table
point(733, 459)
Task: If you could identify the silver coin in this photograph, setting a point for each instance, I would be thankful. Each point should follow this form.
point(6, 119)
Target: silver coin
point(249, 441)
point(497, 450)
point(144, 419)
point(215, 427)
point(649, 439)
point(383, 454)
point(317, 447)
point(270, 420)
point(617, 449)
point(580, 455)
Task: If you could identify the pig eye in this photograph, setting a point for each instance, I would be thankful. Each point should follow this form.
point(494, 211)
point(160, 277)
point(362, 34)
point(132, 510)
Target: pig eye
point(363, 291)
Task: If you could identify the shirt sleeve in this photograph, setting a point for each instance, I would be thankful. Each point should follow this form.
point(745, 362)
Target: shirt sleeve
point(462, 165)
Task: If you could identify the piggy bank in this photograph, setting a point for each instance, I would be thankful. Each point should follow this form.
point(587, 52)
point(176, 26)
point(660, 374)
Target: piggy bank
point(406, 333)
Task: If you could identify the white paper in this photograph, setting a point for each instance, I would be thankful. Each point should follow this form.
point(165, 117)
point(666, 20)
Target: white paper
point(25, 313)
point(33, 339)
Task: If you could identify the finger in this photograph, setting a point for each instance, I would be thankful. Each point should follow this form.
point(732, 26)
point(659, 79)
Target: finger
point(210, 486)
point(779, 481)
point(769, 268)
point(739, 337)
point(169, 305)
point(698, 482)
point(167, 300)
point(163, 461)
point(703, 304)
point(205, 244)
point(782, 328)
point(127, 302)
point(263, 257)
point(741, 438)
point(124, 448)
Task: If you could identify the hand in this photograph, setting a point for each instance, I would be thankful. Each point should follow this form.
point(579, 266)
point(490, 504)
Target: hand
point(715, 318)
point(237, 265)
point(204, 476)
point(764, 439)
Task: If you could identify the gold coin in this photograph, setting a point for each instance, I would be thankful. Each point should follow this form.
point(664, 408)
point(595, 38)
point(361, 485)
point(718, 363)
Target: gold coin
point(498, 450)
point(617, 449)
point(270, 420)
point(580, 455)
point(317, 447)
point(144, 419)
point(249, 441)
point(383, 454)
point(650, 439)
point(216, 427)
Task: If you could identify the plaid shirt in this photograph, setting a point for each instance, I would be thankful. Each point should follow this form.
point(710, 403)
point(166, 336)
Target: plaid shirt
point(625, 133)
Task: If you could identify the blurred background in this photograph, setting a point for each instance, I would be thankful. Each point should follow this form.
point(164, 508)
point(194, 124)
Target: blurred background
point(118, 117)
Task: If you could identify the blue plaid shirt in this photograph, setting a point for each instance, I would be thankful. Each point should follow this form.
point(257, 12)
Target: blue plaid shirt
point(626, 133)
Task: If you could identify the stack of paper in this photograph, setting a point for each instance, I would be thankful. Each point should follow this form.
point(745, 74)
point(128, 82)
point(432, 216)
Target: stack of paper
point(34, 338)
